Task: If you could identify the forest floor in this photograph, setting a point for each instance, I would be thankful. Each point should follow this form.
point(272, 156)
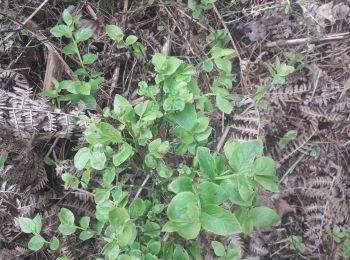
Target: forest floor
point(312, 105)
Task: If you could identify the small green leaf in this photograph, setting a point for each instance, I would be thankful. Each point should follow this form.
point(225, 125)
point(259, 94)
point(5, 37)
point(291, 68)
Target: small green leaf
point(223, 104)
point(108, 176)
point(86, 234)
point(67, 18)
point(27, 225)
point(36, 243)
point(115, 32)
point(186, 118)
point(3, 158)
point(101, 195)
point(181, 184)
point(54, 243)
point(66, 216)
point(158, 61)
point(61, 30)
point(81, 158)
point(130, 40)
point(208, 65)
point(219, 248)
point(206, 163)
point(180, 253)
point(287, 137)
point(82, 34)
point(126, 237)
point(70, 48)
point(137, 208)
point(89, 58)
point(118, 217)
point(223, 64)
point(153, 247)
point(37, 224)
point(264, 217)
point(219, 221)
point(67, 229)
point(158, 148)
point(111, 250)
point(268, 182)
point(124, 153)
point(84, 222)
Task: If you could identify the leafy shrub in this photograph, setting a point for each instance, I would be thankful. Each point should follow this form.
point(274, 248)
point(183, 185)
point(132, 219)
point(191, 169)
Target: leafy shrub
point(185, 178)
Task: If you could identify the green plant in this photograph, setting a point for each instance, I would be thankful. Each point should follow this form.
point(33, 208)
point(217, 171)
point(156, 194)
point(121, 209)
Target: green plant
point(230, 254)
point(287, 137)
point(296, 243)
point(33, 226)
point(163, 139)
point(223, 80)
point(79, 90)
point(280, 71)
point(198, 8)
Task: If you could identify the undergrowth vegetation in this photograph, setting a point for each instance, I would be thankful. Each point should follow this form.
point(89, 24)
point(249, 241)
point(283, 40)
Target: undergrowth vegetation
point(186, 188)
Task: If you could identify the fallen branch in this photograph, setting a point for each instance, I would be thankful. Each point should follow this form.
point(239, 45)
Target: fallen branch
point(327, 38)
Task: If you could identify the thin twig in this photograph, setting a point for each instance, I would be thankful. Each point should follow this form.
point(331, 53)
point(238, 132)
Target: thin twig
point(142, 185)
point(327, 38)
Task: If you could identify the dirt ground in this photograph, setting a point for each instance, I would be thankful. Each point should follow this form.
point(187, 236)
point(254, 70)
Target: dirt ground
point(315, 101)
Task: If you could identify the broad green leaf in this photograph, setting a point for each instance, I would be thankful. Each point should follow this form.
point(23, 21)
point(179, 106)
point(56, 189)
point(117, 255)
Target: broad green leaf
point(115, 32)
point(264, 217)
point(27, 225)
point(126, 236)
point(223, 64)
point(70, 181)
point(181, 184)
point(164, 171)
point(211, 193)
point(285, 70)
point(186, 118)
point(223, 104)
point(196, 250)
point(137, 208)
point(180, 205)
point(84, 222)
point(70, 48)
point(86, 234)
point(66, 216)
point(118, 217)
point(189, 230)
point(151, 230)
point(153, 247)
point(36, 243)
point(89, 58)
point(241, 154)
point(180, 253)
point(61, 30)
point(54, 243)
point(158, 148)
point(287, 137)
point(121, 105)
point(130, 40)
point(67, 17)
point(111, 250)
point(208, 65)
point(206, 163)
point(219, 221)
point(268, 182)
point(219, 248)
point(81, 158)
point(89, 101)
point(82, 34)
point(124, 153)
point(101, 195)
